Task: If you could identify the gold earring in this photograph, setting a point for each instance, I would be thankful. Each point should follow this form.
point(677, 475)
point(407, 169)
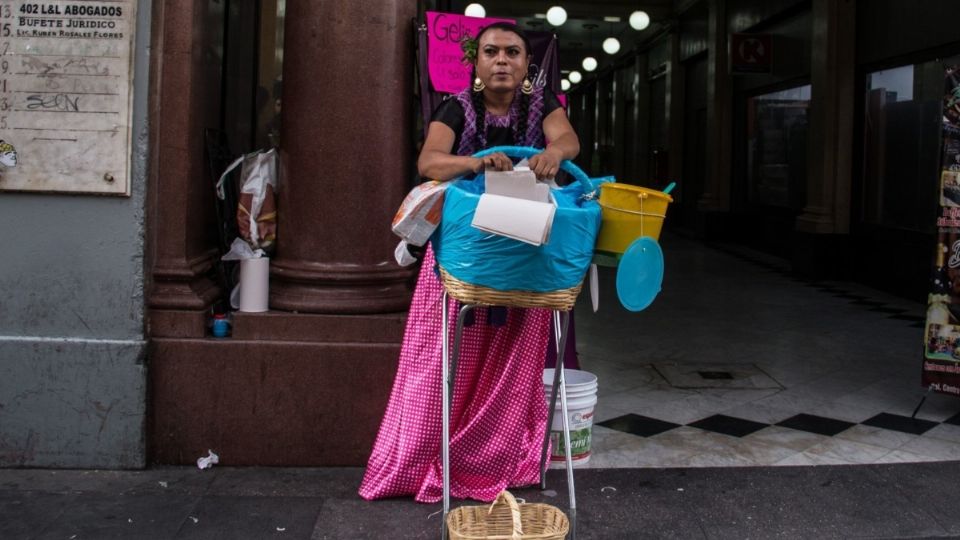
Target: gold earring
point(478, 85)
point(527, 87)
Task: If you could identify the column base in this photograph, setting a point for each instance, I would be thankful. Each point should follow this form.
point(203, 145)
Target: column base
point(267, 401)
point(340, 289)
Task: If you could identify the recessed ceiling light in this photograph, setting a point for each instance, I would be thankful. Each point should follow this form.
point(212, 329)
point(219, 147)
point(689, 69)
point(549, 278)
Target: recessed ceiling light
point(611, 19)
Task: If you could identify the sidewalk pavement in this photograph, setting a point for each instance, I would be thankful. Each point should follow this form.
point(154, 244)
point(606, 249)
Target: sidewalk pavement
point(915, 500)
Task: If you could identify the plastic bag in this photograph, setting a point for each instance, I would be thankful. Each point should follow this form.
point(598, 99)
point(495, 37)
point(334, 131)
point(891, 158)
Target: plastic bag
point(420, 212)
point(257, 210)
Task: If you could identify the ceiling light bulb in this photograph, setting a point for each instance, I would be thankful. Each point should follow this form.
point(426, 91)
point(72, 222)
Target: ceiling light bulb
point(575, 77)
point(564, 85)
point(556, 15)
point(611, 45)
point(639, 20)
point(589, 63)
point(476, 10)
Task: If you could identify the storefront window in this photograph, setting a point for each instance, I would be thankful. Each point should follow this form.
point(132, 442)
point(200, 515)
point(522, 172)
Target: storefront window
point(777, 148)
point(902, 146)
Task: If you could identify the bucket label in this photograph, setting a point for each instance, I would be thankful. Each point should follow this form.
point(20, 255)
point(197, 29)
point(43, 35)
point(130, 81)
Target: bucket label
point(579, 441)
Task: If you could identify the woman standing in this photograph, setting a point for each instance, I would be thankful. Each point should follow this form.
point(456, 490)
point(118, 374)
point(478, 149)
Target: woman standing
point(498, 416)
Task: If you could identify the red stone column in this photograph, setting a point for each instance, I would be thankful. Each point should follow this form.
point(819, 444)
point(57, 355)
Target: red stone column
point(346, 156)
point(184, 100)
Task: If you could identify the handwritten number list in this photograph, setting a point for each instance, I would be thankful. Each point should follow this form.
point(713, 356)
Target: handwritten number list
point(65, 94)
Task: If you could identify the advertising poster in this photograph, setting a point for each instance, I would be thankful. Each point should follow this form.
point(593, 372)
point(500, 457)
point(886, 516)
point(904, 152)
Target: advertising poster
point(941, 347)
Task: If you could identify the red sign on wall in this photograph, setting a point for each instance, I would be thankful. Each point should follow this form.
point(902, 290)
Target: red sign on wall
point(751, 53)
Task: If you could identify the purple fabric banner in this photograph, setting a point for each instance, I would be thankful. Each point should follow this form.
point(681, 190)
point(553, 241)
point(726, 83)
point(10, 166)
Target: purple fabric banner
point(445, 30)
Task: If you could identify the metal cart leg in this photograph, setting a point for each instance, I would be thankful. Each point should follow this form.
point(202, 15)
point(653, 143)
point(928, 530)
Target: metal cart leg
point(559, 383)
point(558, 337)
point(445, 448)
point(448, 373)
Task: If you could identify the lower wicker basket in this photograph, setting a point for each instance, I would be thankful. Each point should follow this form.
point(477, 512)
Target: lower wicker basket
point(505, 519)
point(468, 293)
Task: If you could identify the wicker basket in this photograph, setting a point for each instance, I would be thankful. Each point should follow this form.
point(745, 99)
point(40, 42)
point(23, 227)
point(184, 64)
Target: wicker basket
point(468, 293)
point(507, 520)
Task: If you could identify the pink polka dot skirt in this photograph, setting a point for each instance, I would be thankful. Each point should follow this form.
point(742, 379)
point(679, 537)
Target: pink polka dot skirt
point(498, 415)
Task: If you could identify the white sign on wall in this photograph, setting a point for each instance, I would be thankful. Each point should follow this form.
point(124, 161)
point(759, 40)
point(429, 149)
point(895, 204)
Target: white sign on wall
point(66, 95)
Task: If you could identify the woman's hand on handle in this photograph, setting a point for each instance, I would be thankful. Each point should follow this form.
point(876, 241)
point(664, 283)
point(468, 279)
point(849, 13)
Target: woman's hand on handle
point(546, 164)
point(564, 144)
point(497, 161)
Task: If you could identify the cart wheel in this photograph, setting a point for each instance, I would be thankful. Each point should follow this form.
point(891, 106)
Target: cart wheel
point(640, 274)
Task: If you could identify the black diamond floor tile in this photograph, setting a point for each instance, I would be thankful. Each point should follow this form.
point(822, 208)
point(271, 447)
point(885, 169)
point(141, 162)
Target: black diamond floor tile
point(728, 425)
point(638, 424)
point(901, 423)
point(955, 420)
point(816, 424)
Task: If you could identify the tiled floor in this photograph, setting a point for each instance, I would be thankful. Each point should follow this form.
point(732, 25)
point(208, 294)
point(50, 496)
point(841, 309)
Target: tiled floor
point(738, 363)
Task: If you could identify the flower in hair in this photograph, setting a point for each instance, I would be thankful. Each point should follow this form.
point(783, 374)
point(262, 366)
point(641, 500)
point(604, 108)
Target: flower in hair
point(468, 45)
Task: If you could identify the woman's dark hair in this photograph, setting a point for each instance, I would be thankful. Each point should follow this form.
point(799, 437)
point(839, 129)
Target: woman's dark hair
point(507, 27)
point(477, 97)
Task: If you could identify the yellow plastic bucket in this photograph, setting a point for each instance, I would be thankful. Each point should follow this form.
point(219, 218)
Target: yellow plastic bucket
point(629, 212)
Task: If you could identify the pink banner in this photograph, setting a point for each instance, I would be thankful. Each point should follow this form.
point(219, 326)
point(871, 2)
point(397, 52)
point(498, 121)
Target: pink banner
point(447, 72)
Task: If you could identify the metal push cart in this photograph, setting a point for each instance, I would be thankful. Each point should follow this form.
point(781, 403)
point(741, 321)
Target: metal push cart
point(561, 321)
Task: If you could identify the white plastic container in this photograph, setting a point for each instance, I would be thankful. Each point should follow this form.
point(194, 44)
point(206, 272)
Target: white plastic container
point(254, 285)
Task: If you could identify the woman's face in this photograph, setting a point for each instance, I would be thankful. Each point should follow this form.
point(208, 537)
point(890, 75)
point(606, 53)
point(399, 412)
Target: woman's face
point(501, 60)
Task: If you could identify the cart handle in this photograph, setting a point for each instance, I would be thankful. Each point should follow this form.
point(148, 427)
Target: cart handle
point(529, 151)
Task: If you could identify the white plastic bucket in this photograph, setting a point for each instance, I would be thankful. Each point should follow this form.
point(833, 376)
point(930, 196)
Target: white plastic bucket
point(581, 399)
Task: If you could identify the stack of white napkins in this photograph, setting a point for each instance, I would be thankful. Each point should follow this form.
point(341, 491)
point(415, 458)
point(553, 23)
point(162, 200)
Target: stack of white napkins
point(515, 205)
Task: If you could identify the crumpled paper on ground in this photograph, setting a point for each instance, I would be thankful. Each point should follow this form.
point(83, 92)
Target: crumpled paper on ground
point(208, 461)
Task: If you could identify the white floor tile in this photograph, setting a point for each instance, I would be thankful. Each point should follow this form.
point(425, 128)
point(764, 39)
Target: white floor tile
point(901, 456)
point(937, 448)
point(804, 458)
point(884, 438)
point(794, 439)
point(946, 432)
point(847, 451)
